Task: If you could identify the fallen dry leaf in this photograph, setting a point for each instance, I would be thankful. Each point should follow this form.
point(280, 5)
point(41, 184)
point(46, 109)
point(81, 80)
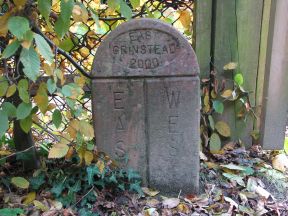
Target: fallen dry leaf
point(149, 191)
point(280, 162)
point(171, 203)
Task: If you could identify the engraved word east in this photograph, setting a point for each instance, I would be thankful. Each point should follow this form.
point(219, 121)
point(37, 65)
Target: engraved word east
point(144, 49)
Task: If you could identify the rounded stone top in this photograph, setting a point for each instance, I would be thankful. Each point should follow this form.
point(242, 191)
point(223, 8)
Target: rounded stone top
point(144, 48)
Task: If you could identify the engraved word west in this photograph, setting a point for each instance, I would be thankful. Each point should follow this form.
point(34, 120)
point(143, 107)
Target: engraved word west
point(146, 104)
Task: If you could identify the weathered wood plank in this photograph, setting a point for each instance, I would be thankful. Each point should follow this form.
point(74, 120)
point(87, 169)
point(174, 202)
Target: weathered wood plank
point(237, 39)
point(202, 35)
point(262, 61)
point(225, 47)
point(249, 18)
point(275, 96)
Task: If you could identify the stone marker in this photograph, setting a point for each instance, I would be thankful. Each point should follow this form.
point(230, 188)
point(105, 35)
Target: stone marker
point(146, 103)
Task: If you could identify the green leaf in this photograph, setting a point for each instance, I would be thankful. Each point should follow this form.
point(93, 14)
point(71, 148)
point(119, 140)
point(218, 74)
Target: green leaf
point(31, 63)
point(67, 44)
point(236, 178)
point(211, 122)
point(18, 26)
point(51, 86)
point(232, 166)
point(113, 4)
point(135, 3)
point(3, 86)
point(4, 122)
point(125, 10)
point(57, 118)
point(10, 109)
point(11, 211)
point(215, 143)
point(91, 172)
point(23, 110)
point(23, 90)
point(44, 6)
point(11, 49)
point(63, 22)
point(26, 123)
point(20, 182)
point(44, 48)
point(238, 78)
point(218, 106)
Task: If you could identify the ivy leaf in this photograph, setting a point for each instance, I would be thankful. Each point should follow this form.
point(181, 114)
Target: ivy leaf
point(58, 150)
point(44, 48)
point(11, 49)
point(57, 118)
point(41, 97)
point(23, 110)
point(63, 22)
point(215, 143)
point(31, 63)
point(125, 10)
point(218, 106)
point(238, 78)
point(18, 26)
point(223, 128)
point(44, 6)
point(91, 172)
point(20, 182)
point(26, 123)
point(4, 122)
point(11, 211)
point(23, 90)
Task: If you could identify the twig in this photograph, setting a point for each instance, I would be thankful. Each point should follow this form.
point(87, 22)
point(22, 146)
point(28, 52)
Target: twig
point(47, 131)
point(19, 152)
point(62, 52)
point(83, 196)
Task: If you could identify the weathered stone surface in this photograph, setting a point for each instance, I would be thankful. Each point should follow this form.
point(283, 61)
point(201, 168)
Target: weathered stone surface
point(145, 47)
point(146, 103)
point(173, 122)
point(118, 118)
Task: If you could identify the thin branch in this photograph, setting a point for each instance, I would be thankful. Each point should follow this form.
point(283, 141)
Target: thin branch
point(62, 52)
point(47, 131)
point(19, 152)
point(83, 196)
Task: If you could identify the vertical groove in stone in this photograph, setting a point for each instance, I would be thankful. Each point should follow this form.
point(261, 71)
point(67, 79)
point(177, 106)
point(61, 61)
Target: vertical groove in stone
point(146, 126)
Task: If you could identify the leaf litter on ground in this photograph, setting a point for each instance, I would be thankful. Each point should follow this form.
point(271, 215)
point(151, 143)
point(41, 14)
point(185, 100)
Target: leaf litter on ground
point(233, 182)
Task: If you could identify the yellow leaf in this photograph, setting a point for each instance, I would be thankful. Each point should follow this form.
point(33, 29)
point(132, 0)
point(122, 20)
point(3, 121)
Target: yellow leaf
point(150, 192)
point(40, 205)
point(29, 198)
point(51, 106)
point(5, 153)
point(185, 19)
point(49, 70)
point(72, 128)
point(69, 154)
point(80, 14)
point(80, 81)
point(86, 129)
point(230, 66)
point(19, 3)
point(41, 97)
point(101, 165)
point(223, 128)
point(58, 150)
point(11, 90)
point(183, 208)
point(280, 162)
point(26, 44)
point(20, 182)
point(227, 93)
point(88, 157)
point(3, 24)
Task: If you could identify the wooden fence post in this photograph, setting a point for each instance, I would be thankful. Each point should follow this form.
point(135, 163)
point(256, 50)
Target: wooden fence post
point(202, 35)
point(275, 101)
point(237, 39)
